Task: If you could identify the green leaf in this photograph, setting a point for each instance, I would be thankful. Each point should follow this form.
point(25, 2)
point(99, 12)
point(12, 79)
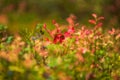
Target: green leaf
point(9, 39)
point(2, 27)
point(39, 26)
point(16, 68)
point(52, 62)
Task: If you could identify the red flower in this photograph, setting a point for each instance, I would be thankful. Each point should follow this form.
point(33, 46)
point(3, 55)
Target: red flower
point(58, 38)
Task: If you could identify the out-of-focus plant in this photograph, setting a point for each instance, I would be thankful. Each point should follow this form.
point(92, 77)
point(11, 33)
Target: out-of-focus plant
point(3, 33)
point(4, 36)
point(63, 53)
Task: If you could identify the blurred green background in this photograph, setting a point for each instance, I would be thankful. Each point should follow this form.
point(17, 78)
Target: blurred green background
point(17, 14)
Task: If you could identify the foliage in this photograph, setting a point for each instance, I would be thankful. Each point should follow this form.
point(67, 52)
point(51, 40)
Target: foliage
point(63, 53)
point(4, 36)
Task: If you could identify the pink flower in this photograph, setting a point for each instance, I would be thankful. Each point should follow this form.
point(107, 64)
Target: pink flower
point(70, 31)
point(87, 32)
point(67, 34)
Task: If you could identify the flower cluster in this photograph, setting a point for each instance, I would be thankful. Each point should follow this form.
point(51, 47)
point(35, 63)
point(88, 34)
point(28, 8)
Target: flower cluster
point(57, 35)
point(67, 52)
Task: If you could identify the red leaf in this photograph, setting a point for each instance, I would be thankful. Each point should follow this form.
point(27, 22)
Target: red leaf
point(94, 15)
point(101, 18)
point(92, 21)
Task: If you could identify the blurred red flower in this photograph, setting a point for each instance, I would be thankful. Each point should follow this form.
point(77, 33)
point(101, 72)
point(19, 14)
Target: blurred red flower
point(58, 38)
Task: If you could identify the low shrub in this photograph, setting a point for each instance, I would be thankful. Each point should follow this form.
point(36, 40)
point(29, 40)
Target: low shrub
point(64, 53)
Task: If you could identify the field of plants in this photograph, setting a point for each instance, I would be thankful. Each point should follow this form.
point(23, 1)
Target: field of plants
point(64, 52)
